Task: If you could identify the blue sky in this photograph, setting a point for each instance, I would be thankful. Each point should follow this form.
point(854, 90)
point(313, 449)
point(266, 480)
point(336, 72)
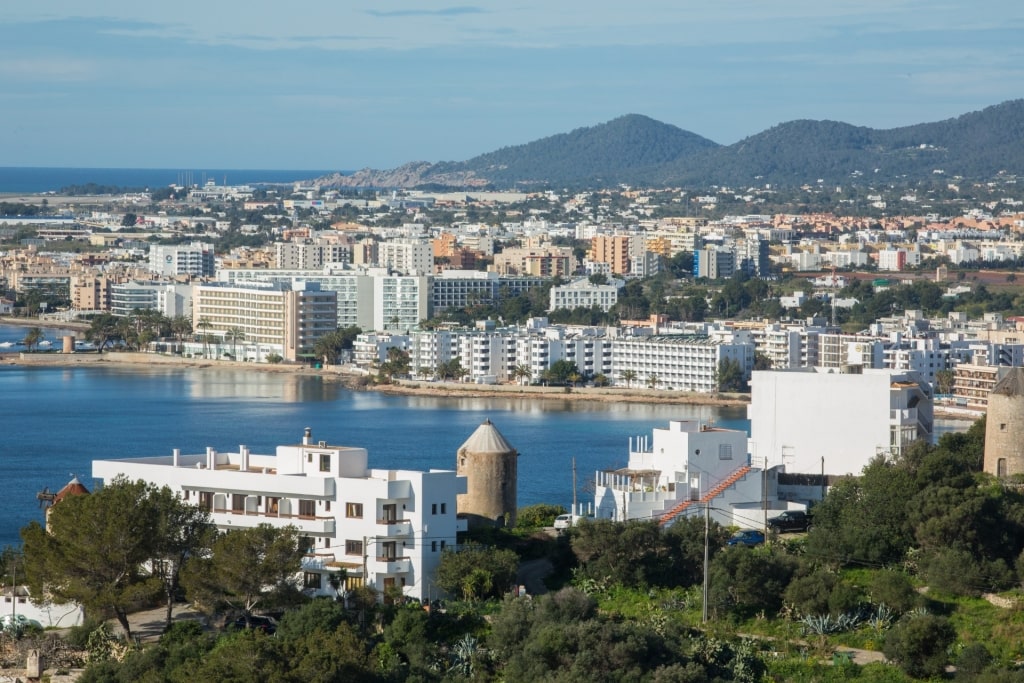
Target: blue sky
point(346, 84)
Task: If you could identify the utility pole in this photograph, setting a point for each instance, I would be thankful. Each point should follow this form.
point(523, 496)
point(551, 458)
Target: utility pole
point(574, 485)
point(707, 528)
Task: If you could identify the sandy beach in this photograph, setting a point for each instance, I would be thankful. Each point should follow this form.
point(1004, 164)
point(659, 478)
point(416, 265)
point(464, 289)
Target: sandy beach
point(357, 380)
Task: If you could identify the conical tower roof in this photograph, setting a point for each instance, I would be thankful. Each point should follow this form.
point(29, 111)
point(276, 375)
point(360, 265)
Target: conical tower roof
point(73, 488)
point(487, 439)
point(1012, 384)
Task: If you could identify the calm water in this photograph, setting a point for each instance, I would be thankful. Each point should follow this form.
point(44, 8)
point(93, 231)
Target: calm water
point(55, 421)
point(43, 179)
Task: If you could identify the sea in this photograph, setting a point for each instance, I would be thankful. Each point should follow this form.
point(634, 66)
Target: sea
point(33, 179)
point(54, 421)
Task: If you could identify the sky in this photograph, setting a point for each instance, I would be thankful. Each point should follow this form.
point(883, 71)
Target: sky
point(349, 84)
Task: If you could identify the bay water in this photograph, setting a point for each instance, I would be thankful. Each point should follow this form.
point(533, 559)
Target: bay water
point(54, 421)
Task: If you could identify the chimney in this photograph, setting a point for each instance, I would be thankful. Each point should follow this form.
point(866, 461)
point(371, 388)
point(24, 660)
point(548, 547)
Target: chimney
point(307, 438)
point(244, 452)
point(174, 458)
point(211, 458)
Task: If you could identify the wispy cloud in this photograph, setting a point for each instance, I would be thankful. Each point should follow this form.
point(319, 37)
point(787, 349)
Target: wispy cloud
point(442, 12)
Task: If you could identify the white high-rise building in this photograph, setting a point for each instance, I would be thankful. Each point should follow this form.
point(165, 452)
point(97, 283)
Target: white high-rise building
point(171, 260)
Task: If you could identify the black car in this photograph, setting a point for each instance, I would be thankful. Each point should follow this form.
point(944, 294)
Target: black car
point(266, 624)
point(790, 520)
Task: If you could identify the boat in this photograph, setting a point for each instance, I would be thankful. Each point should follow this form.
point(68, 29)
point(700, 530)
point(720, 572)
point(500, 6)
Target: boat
point(6, 344)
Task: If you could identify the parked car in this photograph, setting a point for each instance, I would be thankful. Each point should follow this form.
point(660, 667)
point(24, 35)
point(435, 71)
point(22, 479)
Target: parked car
point(266, 624)
point(17, 622)
point(747, 537)
point(563, 522)
point(790, 520)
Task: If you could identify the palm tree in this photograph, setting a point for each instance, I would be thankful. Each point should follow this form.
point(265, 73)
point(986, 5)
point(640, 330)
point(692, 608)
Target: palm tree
point(33, 337)
point(652, 381)
point(574, 378)
point(204, 326)
point(181, 327)
point(522, 372)
point(628, 376)
point(234, 335)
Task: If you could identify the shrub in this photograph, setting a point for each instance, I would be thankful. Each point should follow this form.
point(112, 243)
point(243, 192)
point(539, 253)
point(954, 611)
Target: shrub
point(893, 589)
point(539, 515)
point(918, 645)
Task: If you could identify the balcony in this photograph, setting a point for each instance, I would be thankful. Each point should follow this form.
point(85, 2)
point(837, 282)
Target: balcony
point(394, 527)
point(906, 416)
point(393, 565)
point(318, 526)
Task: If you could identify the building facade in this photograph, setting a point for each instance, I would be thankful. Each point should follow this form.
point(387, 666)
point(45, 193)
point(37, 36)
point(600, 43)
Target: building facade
point(382, 528)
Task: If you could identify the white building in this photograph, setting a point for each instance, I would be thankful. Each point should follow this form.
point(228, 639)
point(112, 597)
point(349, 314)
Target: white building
point(196, 259)
point(584, 294)
point(382, 528)
point(823, 420)
point(681, 470)
point(682, 362)
point(170, 299)
point(406, 257)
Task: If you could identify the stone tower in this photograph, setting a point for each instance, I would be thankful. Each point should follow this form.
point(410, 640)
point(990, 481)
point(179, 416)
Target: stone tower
point(1004, 426)
point(489, 464)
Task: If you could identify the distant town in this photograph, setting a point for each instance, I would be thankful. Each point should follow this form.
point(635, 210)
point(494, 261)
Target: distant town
point(662, 289)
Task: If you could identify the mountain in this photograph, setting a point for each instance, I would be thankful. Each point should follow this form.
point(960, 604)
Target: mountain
point(638, 150)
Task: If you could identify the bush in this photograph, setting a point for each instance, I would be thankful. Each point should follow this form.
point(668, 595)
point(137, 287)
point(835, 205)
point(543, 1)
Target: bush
point(539, 515)
point(893, 589)
point(973, 660)
point(918, 644)
point(810, 594)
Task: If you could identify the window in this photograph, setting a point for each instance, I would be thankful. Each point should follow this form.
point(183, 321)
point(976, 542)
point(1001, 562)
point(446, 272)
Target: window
point(353, 582)
point(206, 500)
point(433, 546)
point(442, 545)
point(433, 508)
point(312, 580)
point(443, 508)
point(725, 451)
point(354, 510)
point(353, 547)
point(272, 504)
point(307, 508)
point(327, 506)
point(238, 502)
point(325, 462)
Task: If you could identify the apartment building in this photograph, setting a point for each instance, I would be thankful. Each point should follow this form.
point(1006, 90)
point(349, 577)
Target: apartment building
point(406, 257)
point(539, 261)
point(584, 294)
point(170, 299)
point(272, 318)
point(677, 362)
point(296, 256)
point(383, 528)
point(613, 250)
point(170, 260)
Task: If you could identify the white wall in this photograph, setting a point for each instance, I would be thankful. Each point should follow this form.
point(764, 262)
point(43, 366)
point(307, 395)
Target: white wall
point(811, 415)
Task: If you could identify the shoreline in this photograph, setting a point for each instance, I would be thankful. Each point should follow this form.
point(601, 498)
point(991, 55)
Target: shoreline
point(355, 380)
